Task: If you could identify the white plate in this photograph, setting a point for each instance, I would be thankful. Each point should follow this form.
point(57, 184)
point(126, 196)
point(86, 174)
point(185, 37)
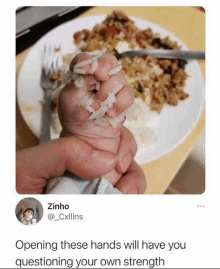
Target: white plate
point(172, 126)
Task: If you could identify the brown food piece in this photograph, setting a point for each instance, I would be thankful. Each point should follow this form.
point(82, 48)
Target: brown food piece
point(156, 106)
point(54, 76)
point(173, 98)
point(140, 88)
point(164, 79)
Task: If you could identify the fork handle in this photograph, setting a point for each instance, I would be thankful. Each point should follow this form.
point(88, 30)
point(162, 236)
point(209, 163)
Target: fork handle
point(46, 117)
point(169, 54)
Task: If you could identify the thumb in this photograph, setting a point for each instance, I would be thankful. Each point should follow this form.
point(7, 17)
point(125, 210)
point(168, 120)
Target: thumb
point(51, 159)
point(87, 162)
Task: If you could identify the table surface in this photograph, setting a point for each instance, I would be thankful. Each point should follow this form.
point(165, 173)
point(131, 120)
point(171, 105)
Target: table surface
point(188, 24)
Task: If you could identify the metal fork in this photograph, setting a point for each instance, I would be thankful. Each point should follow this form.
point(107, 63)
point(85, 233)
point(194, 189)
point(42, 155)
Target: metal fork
point(169, 54)
point(51, 64)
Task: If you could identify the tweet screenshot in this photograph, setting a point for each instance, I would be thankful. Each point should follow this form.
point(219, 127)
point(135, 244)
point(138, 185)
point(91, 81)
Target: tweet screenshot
point(111, 168)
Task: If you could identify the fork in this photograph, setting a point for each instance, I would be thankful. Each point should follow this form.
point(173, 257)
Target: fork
point(168, 54)
point(51, 63)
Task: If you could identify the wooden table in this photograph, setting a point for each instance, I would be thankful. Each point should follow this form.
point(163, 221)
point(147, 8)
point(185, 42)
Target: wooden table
point(188, 24)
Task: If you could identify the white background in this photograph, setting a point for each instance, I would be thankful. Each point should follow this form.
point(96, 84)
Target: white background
point(122, 218)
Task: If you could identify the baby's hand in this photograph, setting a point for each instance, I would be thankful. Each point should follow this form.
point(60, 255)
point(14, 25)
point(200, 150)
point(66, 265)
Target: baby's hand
point(75, 117)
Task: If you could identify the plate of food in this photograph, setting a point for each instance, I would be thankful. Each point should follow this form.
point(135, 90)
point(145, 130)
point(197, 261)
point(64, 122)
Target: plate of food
point(169, 92)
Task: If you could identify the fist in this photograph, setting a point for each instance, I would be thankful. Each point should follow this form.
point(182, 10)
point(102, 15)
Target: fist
point(74, 117)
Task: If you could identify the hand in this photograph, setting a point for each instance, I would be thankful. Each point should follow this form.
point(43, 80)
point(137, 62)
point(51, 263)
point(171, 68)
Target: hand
point(73, 118)
point(133, 180)
point(51, 159)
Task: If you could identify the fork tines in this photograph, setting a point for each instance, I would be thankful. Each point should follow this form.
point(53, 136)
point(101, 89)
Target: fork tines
point(52, 58)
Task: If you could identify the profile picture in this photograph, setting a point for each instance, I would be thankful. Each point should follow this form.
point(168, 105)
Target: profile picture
point(29, 211)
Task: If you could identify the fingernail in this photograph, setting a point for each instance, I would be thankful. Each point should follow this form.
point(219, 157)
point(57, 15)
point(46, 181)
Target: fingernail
point(125, 162)
point(104, 157)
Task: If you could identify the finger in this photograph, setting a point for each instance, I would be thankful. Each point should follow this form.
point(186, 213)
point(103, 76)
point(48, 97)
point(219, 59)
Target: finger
point(51, 159)
point(80, 58)
point(105, 63)
point(67, 102)
point(75, 93)
point(69, 98)
point(127, 150)
point(133, 182)
point(124, 99)
point(109, 85)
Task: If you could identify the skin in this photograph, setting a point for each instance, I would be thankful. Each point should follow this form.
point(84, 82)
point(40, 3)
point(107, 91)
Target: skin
point(74, 118)
point(28, 215)
point(80, 153)
point(34, 166)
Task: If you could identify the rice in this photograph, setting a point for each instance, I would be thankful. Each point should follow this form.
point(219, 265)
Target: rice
point(102, 122)
point(98, 86)
point(86, 100)
point(104, 106)
point(115, 121)
point(93, 88)
point(98, 113)
point(91, 99)
point(130, 112)
point(117, 31)
point(96, 53)
point(83, 63)
point(115, 70)
point(89, 108)
point(94, 66)
point(108, 103)
point(79, 82)
point(75, 76)
point(117, 89)
point(79, 71)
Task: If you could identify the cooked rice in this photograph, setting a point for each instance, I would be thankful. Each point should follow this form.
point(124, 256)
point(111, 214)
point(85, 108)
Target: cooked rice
point(102, 122)
point(117, 89)
point(98, 113)
point(130, 112)
point(94, 66)
point(89, 108)
point(93, 88)
point(83, 63)
point(115, 70)
point(79, 82)
point(165, 78)
point(75, 76)
point(155, 81)
point(79, 71)
point(96, 53)
point(98, 86)
point(109, 101)
point(86, 100)
point(115, 121)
